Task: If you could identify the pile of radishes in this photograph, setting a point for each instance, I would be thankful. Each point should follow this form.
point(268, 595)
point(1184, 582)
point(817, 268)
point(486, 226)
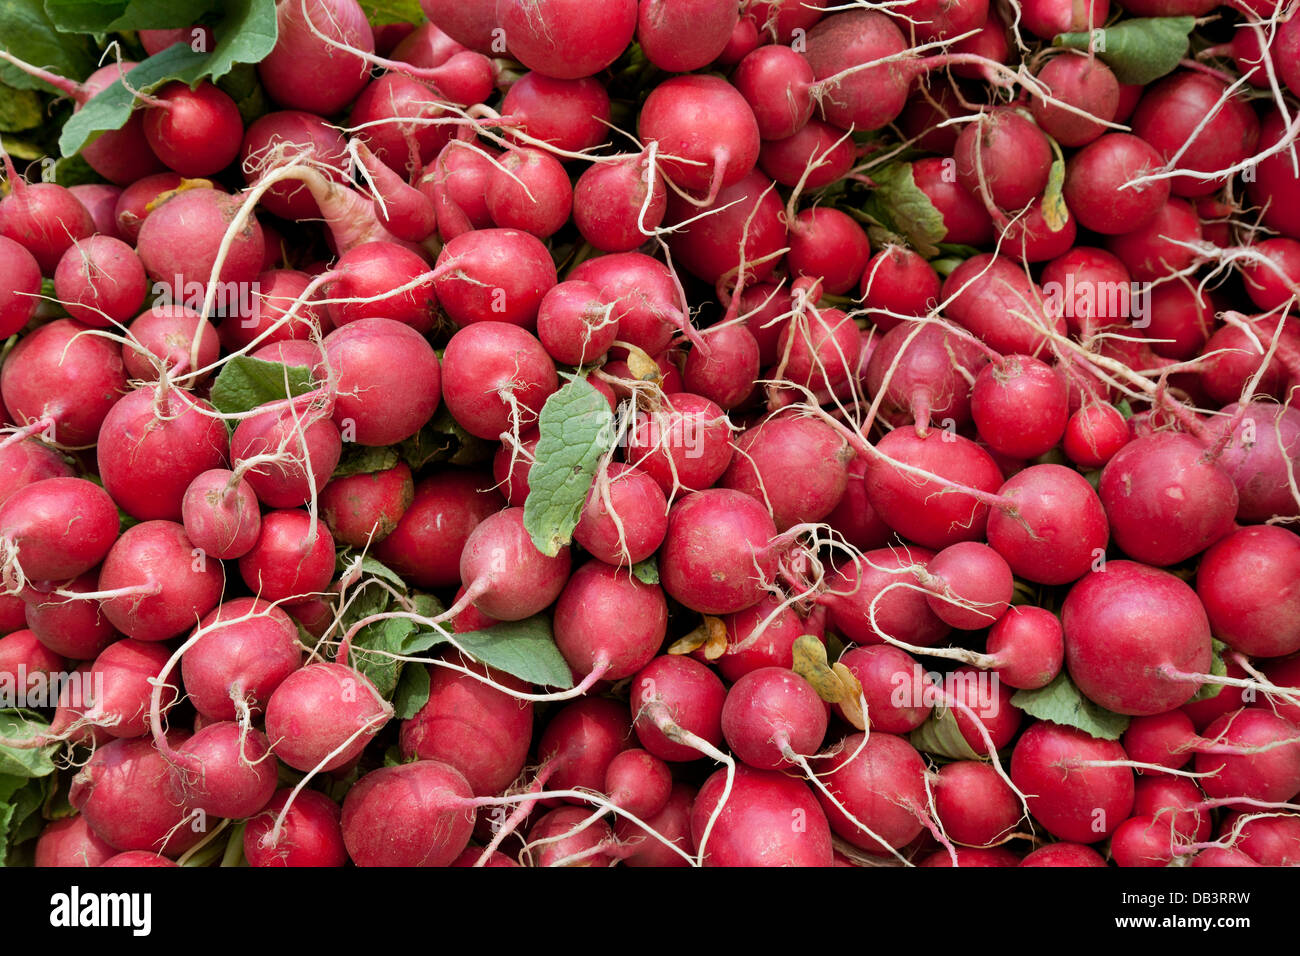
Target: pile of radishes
point(667, 433)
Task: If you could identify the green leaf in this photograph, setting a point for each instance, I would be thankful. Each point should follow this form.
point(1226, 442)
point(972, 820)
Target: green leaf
point(380, 12)
point(110, 16)
point(442, 439)
point(576, 427)
point(242, 85)
point(1217, 667)
point(35, 762)
point(369, 566)
point(361, 460)
point(412, 691)
point(647, 571)
point(75, 171)
point(388, 637)
point(907, 209)
point(1124, 408)
point(27, 33)
point(526, 649)
point(245, 35)
point(19, 109)
point(941, 736)
point(246, 383)
point(1139, 50)
point(1062, 703)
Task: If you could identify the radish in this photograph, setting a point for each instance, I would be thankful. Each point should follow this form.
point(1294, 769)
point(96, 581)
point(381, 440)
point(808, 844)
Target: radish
point(195, 132)
point(56, 529)
point(100, 281)
point(304, 71)
point(827, 244)
point(158, 583)
point(322, 716)
point(152, 445)
point(180, 242)
point(566, 839)
point(820, 349)
point(378, 402)
point(593, 595)
point(1071, 790)
point(1094, 434)
point(639, 782)
point(497, 275)
point(530, 192)
point(770, 456)
point(495, 378)
point(284, 134)
point(1005, 157)
point(1258, 463)
point(1055, 530)
point(644, 294)
point(776, 82)
point(1096, 179)
point(772, 717)
point(1027, 647)
point(673, 823)
point(63, 381)
point(707, 134)
point(285, 455)
point(743, 226)
point(1269, 840)
point(311, 834)
point(1160, 247)
point(124, 793)
point(1020, 406)
point(1253, 755)
point(614, 201)
point(416, 814)
point(70, 626)
point(402, 209)
point(818, 145)
point(971, 585)
point(780, 19)
point(71, 842)
point(566, 39)
point(874, 795)
point(570, 114)
point(897, 280)
point(759, 802)
point(625, 517)
point(221, 514)
point(1166, 500)
point(1275, 185)
point(457, 187)
point(1136, 638)
point(366, 272)
point(753, 641)
point(677, 707)
point(504, 574)
point(716, 558)
point(574, 326)
point(426, 546)
point(133, 205)
point(973, 804)
point(1090, 287)
point(1249, 583)
point(725, 373)
point(245, 650)
point(1165, 740)
point(43, 218)
point(685, 35)
point(224, 771)
point(481, 731)
point(992, 298)
point(166, 333)
point(391, 116)
point(279, 290)
point(923, 372)
point(20, 280)
point(293, 559)
point(865, 99)
point(965, 217)
point(1063, 854)
point(1084, 82)
point(581, 741)
point(863, 610)
point(683, 445)
point(893, 684)
point(363, 508)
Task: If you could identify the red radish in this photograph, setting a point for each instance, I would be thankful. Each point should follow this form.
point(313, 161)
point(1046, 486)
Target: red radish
point(745, 219)
point(481, 731)
point(608, 203)
point(167, 333)
point(973, 803)
point(1047, 18)
point(1056, 529)
point(829, 245)
point(772, 715)
point(965, 218)
point(416, 814)
point(195, 132)
point(865, 612)
point(644, 294)
point(56, 529)
point(183, 236)
point(392, 114)
point(304, 72)
point(760, 802)
point(497, 275)
point(780, 20)
point(991, 297)
point(62, 377)
point(43, 218)
point(100, 281)
point(20, 284)
point(972, 585)
point(817, 145)
point(152, 445)
point(363, 508)
point(798, 467)
point(704, 120)
point(1094, 434)
point(221, 514)
point(639, 782)
point(1020, 406)
point(880, 780)
point(1135, 637)
point(311, 834)
point(1271, 840)
point(820, 349)
point(1161, 739)
point(510, 467)
point(323, 716)
point(1165, 499)
point(292, 560)
point(1090, 287)
point(402, 209)
point(1258, 463)
point(1275, 185)
point(630, 526)
point(1269, 283)
point(894, 686)
point(496, 377)
point(132, 206)
point(725, 373)
point(457, 187)
point(673, 823)
point(566, 39)
point(749, 648)
point(743, 41)
point(1084, 82)
point(899, 281)
point(1249, 583)
point(868, 98)
point(120, 683)
point(684, 445)
point(368, 271)
point(225, 770)
point(684, 35)
point(1027, 647)
point(972, 856)
point(574, 325)
point(1159, 248)
point(715, 558)
point(1004, 156)
point(1096, 178)
point(504, 574)
point(71, 842)
point(165, 583)
point(286, 455)
point(379, 402)
point(425, 547)
point(246, 649)
point(1180, 320)
point(124, 793)
point(776, 81)
point(284, 134)
point(581, 741)
point(561, 839)
point(1071, 799)
point(570, 114)
point(278, 291)
point(675, 694)
point(595, 594)
point(1255, 755)
point(1063, 854)
point(531, 193)
point(924, 374)
point(70, 626)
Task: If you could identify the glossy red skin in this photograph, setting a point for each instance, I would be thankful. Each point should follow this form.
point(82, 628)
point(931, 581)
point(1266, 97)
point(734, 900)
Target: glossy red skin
point(902, 614)
point(1164, 501)
point(1271, 775)
point(786, 159)
point(366, 508)
point(311, 834)
point(1174, 803)
point(426, 545)
point(412, 814)
point(673, 823)
point(989, 306)
point(1030, 646)
point(514, 580)
point(149, 451)
point(124, 794)
point(596, 594)
point(743, 41)
point(45, 219)
point(70, 842)
point(566, 39)
point(870, 98)
point(198, 133)
point(574, 325)
point(249, 658)
point(643, 293)
point(683, 36)
point(820, 350)
point(1032, 239)
point(771, 454)
point(1268, 284)
point(231, 777)
point(1063, 854)
point(184, 234)
point(394, 103)
point(882, 784)
point(20, 283)
point(973, 804)
point(167, 333)
point(899, 280)
point(1222, 856)
point(311, 437)
point(1069, 529)
point(222, 520)
point(131, 209)
point(1255, 465)
point(923, 374)
point(100, 280)
point(1093, 178)
point(1268, 840)
point(73, 628)
point(281, 566)
point(1082, 81)
point(386, 401)
point(302, 72)
point(1152, 251)
point(490, 259)
point(315, 709)
point(972, 856)
point(683, 446)
point(971, 572)
point(1065, 797)
point(607, 203)
point(1275, 184)
point(705, 119)
point(532, 194)
point(853, 517)
point(74, 382)
point(1094, 434)
point(581, 740)
point(482, 360)
point(1078, 285)
point(990, 701)
point(893, 683)
point(121, 156)
point(693, 697)
point(481, 731)
point(828, 244)
point(641, 507)
point(22, 657)
point(715, 557)
point(769, 711)
point(964, 216)
point(291, 132)
point(1141, 841)
point(62, 527)
point(1163, 739)
point(369, 270)
point(1014, 154)
point(773, 648)
point(761, 804)
point(278, 290)
point(1249, 583)
point(566, 113)
point(776, 81)
point(120, 680)
point(159, 553)
point(1020, 406)
point(510, 468)
point(710, 248)
point(726, 373)
point(1123, 626)
point(926, 109)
